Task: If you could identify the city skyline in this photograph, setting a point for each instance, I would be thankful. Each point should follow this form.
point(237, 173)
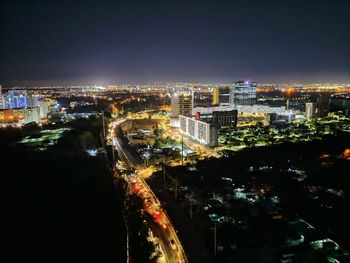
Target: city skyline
point(87, 42)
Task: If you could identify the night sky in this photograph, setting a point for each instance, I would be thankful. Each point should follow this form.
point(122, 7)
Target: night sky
point(90, 42)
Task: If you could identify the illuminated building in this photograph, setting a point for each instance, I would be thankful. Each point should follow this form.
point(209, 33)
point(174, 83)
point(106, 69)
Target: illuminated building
point(16, 99)
point(243, 93)
point(221, 119)
point(199, 130)
point(181, 104)
point(215, 96)
point(45, 106)
point(22, 115)
point(175, 109)
point(254, 109)
point(32, 114)
point(224, 96)
point(73, 104)
point(225, 119)
point(310, 110)
point(54, 117)
point(8, 116)
point(286, 116)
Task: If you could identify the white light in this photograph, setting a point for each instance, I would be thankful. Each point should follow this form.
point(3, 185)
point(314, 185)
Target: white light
point(92, 152)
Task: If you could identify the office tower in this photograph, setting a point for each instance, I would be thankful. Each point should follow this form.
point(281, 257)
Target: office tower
point(175, 109)
point(193, 98)
point(215, 96)
point(225, 119)
point(224, 96)
point(243, 93)
point(309, 110)
point(185, 104)
point(181, 104)
point(322, 107)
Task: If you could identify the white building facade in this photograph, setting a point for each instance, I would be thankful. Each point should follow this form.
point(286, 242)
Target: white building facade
point(199, 130)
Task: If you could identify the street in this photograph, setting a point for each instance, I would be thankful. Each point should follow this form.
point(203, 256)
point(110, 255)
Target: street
point(163, 231)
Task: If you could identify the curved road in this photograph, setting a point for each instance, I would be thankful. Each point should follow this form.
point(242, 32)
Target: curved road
point(163, 230)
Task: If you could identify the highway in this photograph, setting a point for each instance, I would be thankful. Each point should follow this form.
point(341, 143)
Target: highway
point(163, 231)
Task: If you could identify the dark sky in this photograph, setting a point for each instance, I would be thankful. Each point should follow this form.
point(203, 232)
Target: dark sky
point(98, 42)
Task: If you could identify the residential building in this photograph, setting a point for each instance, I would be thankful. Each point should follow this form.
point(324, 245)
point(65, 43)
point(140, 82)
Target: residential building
point(16, 99)
point(32, 114)
point(199, 130)
point(45, 106)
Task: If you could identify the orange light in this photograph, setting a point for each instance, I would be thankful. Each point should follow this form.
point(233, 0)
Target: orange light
point(345, 154)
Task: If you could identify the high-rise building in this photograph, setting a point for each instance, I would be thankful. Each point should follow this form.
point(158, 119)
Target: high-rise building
point(185, 104)
point(32, 114)
point(224, 96)
point(310, 110)
point(215, 96)
point(243, 93)
point(322, 105)
point(181, 104)
point(16, 99)
point(175, 109)
point(45, 105)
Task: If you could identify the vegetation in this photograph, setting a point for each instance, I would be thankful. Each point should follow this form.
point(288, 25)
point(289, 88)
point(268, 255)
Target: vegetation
point(322, 186)
point(60, 204)
point(139, 222)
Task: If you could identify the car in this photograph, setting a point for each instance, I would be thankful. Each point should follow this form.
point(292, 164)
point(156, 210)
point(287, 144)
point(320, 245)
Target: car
point(172, 244)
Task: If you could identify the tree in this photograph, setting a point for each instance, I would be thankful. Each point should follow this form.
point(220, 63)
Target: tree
point(86, 140)
point(142, 250)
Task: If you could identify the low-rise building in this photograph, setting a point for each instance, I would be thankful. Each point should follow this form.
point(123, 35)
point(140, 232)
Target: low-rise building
point(241, 109)
point(225, 119)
